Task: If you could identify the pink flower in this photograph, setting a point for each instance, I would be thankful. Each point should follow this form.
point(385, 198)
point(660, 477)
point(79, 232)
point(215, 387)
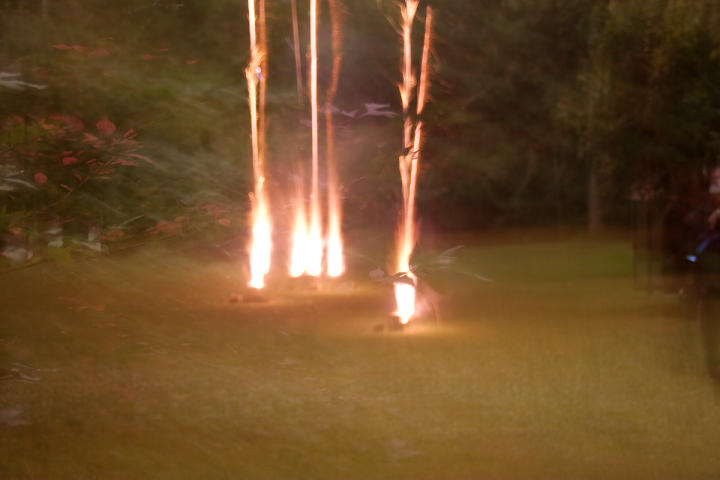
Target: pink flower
point(40, 178)
point(70, 161)
point(106, 127)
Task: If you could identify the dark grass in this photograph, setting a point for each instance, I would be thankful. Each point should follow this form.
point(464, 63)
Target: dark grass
point(558, 368)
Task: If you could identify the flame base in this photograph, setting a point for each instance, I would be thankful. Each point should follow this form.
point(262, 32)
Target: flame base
point(254, 295)
point(405, 291)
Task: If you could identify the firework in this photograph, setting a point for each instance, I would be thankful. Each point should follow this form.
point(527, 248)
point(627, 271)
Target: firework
point(315, 241)
point(335, 261)
point(410, 158)
point(261, 229)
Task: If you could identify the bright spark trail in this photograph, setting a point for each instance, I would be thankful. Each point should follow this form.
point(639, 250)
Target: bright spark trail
point(408, 162)
point(262, 75)
point(335, 260)
point(315, 240)
point(296, 50)
point(299, 248)
point(261, 230)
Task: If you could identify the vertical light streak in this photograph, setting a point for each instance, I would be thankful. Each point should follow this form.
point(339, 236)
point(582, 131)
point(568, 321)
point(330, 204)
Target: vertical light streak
point(262, 74)
point(260, 243)
point(422, 88)
point(335, 260)
point(315, 235)
point(296, 48)
point(410, 234)
point(407, 12)
point(409, 160)
point(404, 248)
point(251, 21)
point(299, 240)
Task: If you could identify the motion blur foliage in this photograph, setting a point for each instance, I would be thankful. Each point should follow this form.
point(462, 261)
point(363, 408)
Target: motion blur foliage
point(649, 109)
point(176, 96)
point(501, 69)
point(549, 111)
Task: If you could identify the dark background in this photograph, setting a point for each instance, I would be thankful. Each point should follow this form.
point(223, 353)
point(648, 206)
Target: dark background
point(544, 112)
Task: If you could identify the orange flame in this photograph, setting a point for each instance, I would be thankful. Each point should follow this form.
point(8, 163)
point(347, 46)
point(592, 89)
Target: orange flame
point(299, 247)
point(261, 242)
point(408, 162)
point(405, 300)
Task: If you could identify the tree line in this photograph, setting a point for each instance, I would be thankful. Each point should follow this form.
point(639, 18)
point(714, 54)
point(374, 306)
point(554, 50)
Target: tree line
point(541, 112)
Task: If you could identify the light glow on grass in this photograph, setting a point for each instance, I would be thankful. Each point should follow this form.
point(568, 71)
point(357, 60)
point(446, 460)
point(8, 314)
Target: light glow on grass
point(574, 367)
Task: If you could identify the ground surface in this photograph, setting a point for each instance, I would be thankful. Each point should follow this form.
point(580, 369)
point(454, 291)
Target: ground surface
point(138, 366)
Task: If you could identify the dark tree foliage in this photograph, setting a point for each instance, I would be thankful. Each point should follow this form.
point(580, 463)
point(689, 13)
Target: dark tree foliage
point(542, 111)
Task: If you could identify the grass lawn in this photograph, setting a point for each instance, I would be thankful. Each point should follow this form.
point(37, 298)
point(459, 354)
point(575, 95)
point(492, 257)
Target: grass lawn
point(138, 366)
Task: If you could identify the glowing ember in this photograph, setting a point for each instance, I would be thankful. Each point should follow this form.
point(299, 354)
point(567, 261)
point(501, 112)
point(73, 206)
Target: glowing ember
point(335, 261)
point(315, 241)
point(260, 243)
point(408, 162)
point(405, 299)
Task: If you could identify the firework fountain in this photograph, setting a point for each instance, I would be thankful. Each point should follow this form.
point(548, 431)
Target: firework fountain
point(406, 281)
point(260, 242)
point(299, 247)
point(315, 241)
point(308, 245)
point(335, 261)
